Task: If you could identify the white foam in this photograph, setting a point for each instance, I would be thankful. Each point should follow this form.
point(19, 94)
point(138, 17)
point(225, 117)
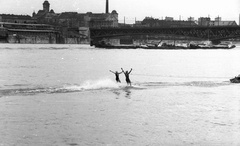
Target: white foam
point(94, 85)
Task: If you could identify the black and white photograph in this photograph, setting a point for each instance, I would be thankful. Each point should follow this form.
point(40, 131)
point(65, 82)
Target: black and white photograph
point(119, 72)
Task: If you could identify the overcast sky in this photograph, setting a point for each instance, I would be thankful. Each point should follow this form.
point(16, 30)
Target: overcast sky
point(227, 9)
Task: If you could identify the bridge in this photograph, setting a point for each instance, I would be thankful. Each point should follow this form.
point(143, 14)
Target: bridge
point(213, 33)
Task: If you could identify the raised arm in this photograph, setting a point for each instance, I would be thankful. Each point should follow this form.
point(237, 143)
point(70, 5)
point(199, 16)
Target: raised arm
point(122, 69)
point(130, 71)
point(112, 71)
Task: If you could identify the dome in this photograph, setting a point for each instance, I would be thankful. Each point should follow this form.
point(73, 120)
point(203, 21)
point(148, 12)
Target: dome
point(114, 12)
point(89, 13)
point(52, 11)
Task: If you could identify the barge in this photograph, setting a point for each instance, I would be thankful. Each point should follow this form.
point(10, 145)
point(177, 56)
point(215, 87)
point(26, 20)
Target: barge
point(167, 46)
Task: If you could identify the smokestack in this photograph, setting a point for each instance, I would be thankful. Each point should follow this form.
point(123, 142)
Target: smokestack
point(107, 7)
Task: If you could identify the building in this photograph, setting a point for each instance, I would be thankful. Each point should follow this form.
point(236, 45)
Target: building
point(217, 19)
point(70, 27)
point(151, 22)
point(71, 19)
point(204, 21)
point(168, 18)
point(100, 20)
point(222, 23)
point(89, 19)
point(191, 19)
point(74, 19)
point(45, 10)
point(66, 19)
point(16, 18)
point(46, 15)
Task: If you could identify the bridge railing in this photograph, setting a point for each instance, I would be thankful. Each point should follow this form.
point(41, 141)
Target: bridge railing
point(164, 27)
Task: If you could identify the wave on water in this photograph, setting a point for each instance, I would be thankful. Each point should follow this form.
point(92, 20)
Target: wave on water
point(105, 84)
point(94, 85)
point(86, 86)
point(191, 83)
point(206, 83)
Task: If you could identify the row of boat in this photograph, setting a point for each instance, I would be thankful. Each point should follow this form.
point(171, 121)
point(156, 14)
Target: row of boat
point(163, 45)
point(190, 46)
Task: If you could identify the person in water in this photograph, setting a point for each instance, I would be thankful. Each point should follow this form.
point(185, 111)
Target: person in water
point(126, 73)
point(117, 75)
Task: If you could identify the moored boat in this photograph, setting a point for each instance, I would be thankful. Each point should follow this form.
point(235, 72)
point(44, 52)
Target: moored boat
point(209, 45)
point(163, 45)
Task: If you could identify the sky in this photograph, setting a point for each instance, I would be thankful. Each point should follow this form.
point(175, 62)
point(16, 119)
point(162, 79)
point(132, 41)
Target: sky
point(133, 9)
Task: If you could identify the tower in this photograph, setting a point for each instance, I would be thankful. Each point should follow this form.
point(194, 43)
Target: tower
point(33, 14)
point(46, 6)
point(239, 20)
point(107, 7)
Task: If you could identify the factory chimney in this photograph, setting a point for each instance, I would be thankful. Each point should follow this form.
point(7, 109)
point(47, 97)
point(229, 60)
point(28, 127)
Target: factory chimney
point(107, 7)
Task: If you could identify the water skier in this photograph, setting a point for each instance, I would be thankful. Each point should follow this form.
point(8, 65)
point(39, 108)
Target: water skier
point(117, 75)
point(127, 76)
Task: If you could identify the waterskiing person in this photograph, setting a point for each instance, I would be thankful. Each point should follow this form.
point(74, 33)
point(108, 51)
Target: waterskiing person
point(116, 75)
point(126, 73)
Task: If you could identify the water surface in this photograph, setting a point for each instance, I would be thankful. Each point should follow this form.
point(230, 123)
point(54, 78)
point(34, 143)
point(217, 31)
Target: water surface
point(65, 95)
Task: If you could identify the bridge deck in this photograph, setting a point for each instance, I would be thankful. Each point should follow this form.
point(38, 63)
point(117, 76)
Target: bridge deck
point(211, 33)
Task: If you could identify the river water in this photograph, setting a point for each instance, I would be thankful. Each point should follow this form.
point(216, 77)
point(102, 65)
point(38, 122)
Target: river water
point(65, 95)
